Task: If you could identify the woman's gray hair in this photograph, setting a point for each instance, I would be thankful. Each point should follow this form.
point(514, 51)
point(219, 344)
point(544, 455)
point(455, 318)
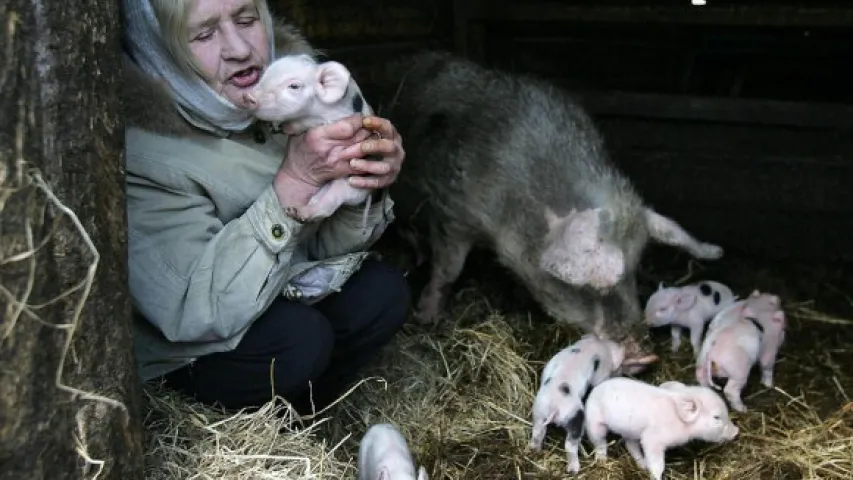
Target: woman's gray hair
point(163, 54)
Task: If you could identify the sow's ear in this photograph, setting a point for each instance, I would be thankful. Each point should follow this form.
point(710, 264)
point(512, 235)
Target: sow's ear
point(668, 232)
point(332, 81)
point(575, 252)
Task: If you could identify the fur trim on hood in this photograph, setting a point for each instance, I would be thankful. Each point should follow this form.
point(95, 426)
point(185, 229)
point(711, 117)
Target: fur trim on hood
point(146, 103)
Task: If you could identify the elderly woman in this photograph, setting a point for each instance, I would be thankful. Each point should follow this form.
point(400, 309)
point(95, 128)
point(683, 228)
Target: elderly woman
point(236, 301)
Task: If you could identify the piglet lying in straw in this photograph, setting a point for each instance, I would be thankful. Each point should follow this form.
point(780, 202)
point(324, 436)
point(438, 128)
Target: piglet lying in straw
point(652, 419)
point(384, 455)
point(690, 306)
point(298, 94)
point(749, 331)
point(566, 380)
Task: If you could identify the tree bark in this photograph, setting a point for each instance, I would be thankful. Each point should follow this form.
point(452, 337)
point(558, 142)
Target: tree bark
point(60, 119)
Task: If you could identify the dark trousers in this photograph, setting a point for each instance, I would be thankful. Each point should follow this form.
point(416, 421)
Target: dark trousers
point(325, 343)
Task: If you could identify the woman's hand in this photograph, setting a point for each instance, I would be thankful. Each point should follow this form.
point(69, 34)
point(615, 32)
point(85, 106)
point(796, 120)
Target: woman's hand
point(382, 171)
point(320, 155)
point(329, 152)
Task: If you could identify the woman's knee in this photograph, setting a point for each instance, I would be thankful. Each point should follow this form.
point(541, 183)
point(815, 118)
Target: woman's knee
point(393, 285)
point(311, 354)
point(303, 349)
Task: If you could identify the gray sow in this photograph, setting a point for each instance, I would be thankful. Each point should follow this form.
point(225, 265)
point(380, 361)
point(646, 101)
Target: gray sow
point(512, 163)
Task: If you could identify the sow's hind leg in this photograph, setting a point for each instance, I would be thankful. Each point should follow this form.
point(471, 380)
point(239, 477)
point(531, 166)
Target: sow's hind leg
point(450, 248)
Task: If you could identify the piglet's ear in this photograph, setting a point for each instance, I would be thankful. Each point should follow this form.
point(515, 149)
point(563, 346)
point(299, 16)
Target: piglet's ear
point(671, 385)
point(332, 81)
point(687, 407)
point(775, 301)
point(685, 300)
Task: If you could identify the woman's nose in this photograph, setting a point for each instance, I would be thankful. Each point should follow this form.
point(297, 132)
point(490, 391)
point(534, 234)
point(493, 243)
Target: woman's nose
point(234, 46)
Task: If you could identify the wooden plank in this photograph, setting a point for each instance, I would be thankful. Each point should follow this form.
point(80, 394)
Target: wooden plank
point(739, 182)
point(740, 110)
point(803, 146)
point(468, 32)
point(769, 15)
point(767, 234)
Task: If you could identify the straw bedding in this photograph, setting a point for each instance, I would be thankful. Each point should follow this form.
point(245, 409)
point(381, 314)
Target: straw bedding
point(462, 393)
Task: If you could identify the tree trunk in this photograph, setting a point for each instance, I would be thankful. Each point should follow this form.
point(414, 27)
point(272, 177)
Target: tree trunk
point(69, 409)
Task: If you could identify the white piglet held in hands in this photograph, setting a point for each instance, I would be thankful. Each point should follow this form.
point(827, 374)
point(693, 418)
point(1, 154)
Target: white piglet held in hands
point(296, 93)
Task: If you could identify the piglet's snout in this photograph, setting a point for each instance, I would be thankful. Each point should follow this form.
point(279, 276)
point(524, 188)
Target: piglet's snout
point(731, 431)
point(250, 99)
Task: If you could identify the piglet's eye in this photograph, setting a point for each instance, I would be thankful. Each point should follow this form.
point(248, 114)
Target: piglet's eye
point(294, 86)
point(716, 417)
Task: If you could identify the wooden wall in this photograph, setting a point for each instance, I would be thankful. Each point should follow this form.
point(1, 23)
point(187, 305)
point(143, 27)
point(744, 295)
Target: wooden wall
point(364, 34)
point(736, 121)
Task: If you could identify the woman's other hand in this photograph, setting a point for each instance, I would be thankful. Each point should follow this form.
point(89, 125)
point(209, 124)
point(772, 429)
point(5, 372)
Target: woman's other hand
point(387, 151)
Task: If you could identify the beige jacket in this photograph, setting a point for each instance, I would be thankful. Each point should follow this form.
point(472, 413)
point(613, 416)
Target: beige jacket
point(209, 246)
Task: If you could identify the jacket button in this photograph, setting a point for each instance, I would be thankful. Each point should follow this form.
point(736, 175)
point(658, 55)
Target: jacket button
point(277, 230)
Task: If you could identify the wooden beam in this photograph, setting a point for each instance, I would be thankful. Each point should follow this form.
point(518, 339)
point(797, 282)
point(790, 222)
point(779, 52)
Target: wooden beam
point(740, 110)
point(770, 15)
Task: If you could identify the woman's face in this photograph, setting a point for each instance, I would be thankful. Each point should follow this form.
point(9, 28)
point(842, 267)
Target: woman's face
point(230, 44)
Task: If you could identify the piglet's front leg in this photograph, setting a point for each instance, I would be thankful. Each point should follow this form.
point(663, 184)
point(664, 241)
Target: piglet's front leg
point(676, 337)
point(696, 338)
point(330, 197)
point(767, 362)
point(696, 324)
point(636, 452)
point(540, 425)
point(655, 458)
point(574, 432)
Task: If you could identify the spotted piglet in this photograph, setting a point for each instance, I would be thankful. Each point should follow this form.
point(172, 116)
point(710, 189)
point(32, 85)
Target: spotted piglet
point(566, 379)
point(652, 419)
point(384, 455)
point(690, 306)
point(748, 332)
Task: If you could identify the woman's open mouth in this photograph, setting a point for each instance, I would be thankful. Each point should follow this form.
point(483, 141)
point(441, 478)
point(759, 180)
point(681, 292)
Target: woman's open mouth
point(246, 77)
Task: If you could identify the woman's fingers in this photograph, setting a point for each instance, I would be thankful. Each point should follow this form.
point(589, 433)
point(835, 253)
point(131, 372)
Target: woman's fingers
point(380, 125)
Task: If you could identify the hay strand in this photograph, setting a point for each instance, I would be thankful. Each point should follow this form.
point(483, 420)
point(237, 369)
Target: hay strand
point(29, 180)
point(462, 396)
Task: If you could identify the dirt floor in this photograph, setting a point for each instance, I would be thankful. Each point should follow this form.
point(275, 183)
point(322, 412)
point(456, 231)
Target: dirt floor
point(462, 393)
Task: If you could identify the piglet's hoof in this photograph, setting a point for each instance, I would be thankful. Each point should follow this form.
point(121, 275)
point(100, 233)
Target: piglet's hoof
point(574, 466)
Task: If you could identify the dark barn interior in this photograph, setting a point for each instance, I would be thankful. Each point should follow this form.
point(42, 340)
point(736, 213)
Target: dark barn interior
point(735, 119)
